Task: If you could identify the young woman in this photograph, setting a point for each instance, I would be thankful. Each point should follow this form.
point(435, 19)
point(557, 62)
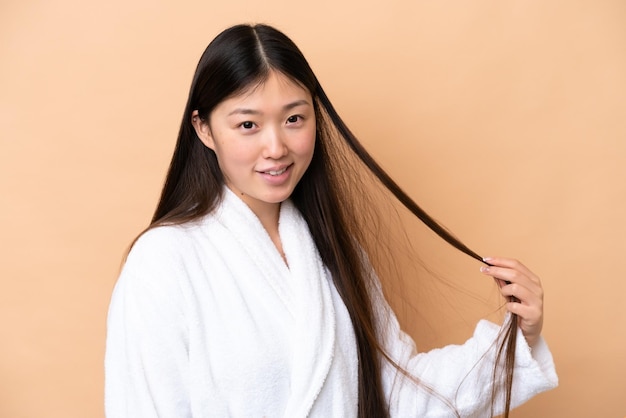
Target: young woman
point(252, 294)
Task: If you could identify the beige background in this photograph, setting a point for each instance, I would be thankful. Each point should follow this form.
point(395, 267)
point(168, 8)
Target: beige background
point(505, 119)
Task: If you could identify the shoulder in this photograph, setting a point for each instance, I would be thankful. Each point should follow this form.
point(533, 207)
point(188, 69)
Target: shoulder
point(159, 240)
point(161, 255)
point(152, 290)
point(170, 243)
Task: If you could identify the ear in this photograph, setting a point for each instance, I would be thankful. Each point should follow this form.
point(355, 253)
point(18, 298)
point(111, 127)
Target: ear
point(202, 130)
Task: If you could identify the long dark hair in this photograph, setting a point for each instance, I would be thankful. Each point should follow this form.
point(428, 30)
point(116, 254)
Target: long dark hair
point(236, 59)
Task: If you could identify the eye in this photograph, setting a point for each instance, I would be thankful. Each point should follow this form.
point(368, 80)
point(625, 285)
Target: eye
point(294, 119)
point(247, 125)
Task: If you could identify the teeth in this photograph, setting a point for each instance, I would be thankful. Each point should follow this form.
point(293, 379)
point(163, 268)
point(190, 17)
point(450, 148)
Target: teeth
point(276, 173)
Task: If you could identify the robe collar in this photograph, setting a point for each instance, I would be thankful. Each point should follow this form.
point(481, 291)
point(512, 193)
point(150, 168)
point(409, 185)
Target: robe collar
point(303, 287)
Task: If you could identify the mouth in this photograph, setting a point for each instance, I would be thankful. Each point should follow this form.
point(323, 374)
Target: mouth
point(276, 172)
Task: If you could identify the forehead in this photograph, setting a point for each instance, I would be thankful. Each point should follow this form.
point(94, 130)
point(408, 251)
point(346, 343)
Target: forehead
point(275, 90)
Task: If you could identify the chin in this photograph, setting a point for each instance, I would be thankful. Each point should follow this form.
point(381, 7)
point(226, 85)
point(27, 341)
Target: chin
point(279, 197)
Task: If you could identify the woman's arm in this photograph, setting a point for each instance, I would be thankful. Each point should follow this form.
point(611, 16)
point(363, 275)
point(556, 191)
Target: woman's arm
point(146, 361)
point(462, 375)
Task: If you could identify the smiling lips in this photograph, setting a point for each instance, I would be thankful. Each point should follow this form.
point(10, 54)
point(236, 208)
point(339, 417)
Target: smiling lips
point(276, 172)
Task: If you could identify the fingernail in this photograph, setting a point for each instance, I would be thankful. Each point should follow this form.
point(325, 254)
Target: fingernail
point(484, 269)
point(487, 259)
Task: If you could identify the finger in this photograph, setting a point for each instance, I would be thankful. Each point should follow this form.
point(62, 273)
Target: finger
point(499, 282)
point(510, 263)
point(524, 290)
point(517, 309)
point(520, 293)
point(503, 273)
point(531, 320)
point(509, 275)
point(529, 315)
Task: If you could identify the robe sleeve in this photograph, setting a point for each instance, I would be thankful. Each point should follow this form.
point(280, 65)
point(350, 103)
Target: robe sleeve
point(146, 360)
point(456, 377)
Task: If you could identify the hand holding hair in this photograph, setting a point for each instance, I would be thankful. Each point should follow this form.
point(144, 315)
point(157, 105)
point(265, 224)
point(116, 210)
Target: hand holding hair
point(523, 290)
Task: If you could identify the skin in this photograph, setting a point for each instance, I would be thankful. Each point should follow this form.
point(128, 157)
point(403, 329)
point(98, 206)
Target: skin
point(526, 287)
point(264, 140)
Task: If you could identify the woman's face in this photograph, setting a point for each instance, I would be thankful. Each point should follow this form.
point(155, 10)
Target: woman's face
point(263, 139)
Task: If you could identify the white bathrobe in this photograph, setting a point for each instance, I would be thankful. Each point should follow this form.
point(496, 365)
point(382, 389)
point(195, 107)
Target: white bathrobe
point(207, 320)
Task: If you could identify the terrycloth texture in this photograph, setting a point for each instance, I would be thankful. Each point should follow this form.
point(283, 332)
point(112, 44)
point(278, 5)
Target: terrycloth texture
point(206, 320)
point(461, 375)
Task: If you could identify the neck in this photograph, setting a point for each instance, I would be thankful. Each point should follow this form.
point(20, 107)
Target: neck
point(269, 219)
point(268, 215)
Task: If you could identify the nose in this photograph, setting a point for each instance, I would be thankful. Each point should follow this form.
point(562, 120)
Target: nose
point(274, 145)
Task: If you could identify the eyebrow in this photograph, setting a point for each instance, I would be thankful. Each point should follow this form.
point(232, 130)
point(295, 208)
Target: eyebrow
point(289, 106)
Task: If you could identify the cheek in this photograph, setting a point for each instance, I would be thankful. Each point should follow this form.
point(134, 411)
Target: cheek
point(306, 144)
point(232, 153)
